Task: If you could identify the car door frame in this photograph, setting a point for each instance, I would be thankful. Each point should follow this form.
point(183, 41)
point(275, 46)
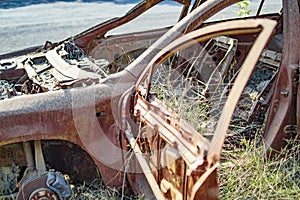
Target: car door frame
point(265, 29)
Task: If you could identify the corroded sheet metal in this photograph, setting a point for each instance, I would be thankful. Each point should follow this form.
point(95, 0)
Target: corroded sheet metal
point(167, 124)
point(282, 122)
point(92, 115)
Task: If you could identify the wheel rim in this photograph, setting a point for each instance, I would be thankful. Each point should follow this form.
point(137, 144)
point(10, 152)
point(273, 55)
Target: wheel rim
point(35, 188)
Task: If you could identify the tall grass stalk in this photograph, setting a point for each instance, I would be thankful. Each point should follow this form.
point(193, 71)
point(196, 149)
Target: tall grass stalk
point(249, 175)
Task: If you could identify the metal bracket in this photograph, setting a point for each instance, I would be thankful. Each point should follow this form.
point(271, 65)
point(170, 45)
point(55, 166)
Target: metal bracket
point(57, 183)
point(174, 130)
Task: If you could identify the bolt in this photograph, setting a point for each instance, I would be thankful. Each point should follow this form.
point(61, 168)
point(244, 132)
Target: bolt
point(284, 93)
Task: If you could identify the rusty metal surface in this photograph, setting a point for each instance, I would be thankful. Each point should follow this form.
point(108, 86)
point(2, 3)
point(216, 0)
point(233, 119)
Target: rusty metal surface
point(49, 185)
point(84, 39)
point(121, 50)
point(164, 121)
point(36, 189)
point(102, 114)
point(51, 118)
point(246, 69)
point(70, 158)
point(194, 19)
point(188, 142)
point(67, 69)
point(282, 112)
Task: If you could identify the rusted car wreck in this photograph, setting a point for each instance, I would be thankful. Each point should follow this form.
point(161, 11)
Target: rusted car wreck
point(93, 102)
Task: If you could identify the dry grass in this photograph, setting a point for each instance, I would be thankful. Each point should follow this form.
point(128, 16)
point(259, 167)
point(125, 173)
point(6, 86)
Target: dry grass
point(98, 191)
point(249, 175)
point(245, 173)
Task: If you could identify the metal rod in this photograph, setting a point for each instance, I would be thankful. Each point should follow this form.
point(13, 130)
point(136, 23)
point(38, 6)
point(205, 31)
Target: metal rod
point(260, 7)
point(145, 167)
point(39, 158)
point(28, 155)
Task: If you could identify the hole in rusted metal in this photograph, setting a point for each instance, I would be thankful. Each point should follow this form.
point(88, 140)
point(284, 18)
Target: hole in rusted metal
point(101, 114)
point(238, 53)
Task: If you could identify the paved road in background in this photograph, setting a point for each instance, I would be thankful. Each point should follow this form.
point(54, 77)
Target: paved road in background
point(24, 26)
point(6, 4)
point(32, 25)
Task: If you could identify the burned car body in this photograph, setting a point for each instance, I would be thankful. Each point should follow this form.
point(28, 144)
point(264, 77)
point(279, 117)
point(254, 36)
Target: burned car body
point(93, 103)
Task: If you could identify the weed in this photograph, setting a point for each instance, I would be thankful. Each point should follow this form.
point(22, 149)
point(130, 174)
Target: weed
point(243, 8)
point(97, 190)
point(249, 175)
